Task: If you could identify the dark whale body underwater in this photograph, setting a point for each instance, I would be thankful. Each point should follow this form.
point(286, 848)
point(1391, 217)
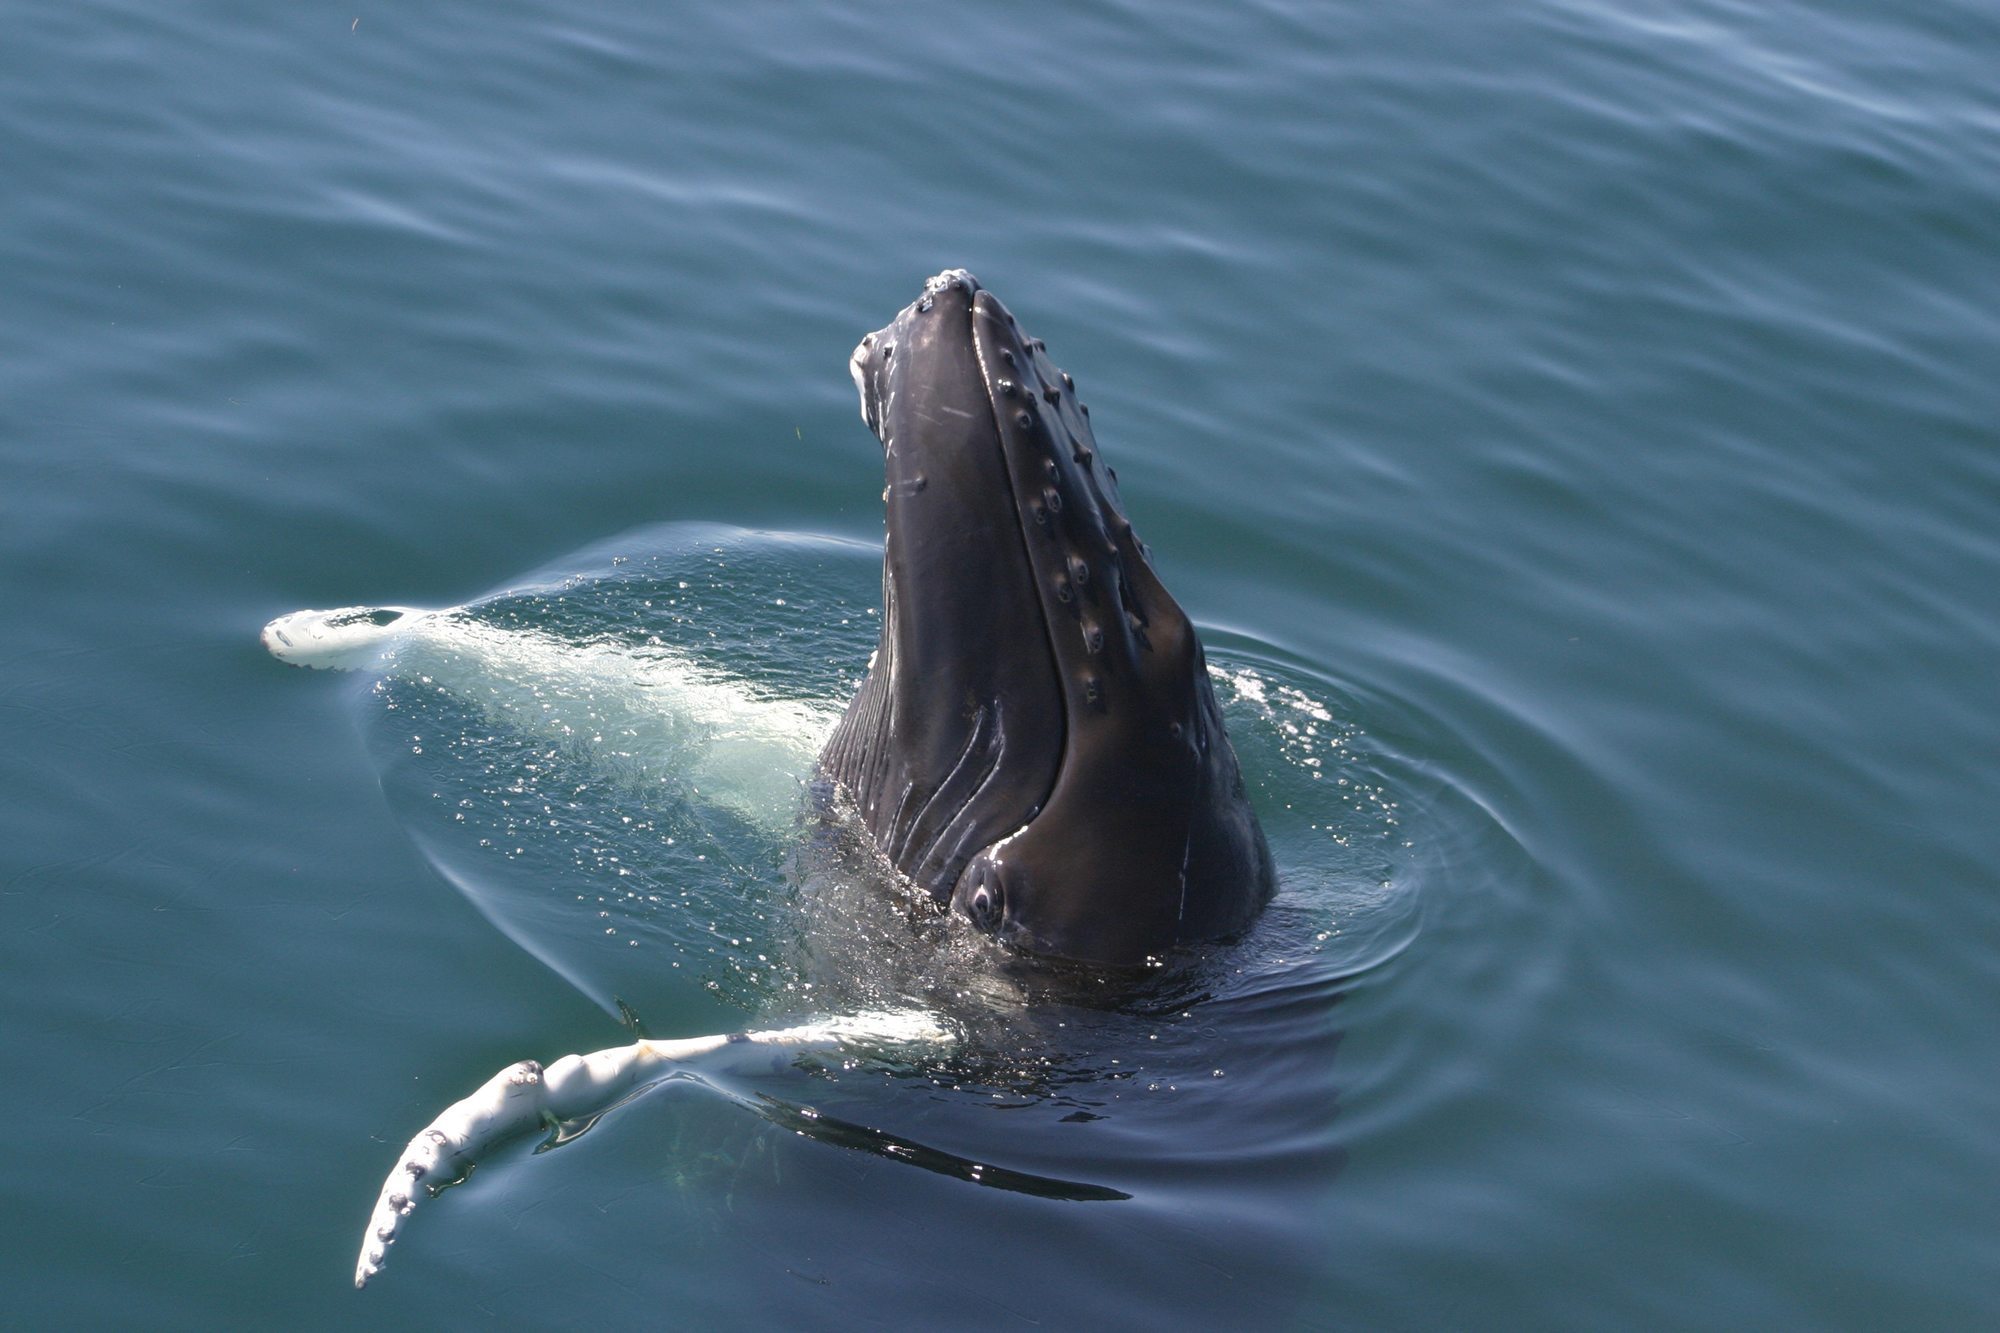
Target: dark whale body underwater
point(1036, 743)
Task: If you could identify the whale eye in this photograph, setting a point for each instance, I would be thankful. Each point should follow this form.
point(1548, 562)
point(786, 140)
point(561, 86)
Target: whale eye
point(983, 907)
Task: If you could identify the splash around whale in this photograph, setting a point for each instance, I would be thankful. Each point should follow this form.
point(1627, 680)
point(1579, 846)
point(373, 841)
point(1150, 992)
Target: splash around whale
point(1036, 745)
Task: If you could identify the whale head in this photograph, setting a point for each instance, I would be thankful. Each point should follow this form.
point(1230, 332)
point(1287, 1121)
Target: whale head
point(347, 638)
point(1036, 742)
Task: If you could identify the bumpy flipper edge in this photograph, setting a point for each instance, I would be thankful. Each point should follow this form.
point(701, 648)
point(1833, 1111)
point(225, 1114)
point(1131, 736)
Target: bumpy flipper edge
point(528, 1096)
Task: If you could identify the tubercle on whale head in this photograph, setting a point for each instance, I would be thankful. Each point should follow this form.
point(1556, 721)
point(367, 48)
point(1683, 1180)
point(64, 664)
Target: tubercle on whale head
point(1037, 744)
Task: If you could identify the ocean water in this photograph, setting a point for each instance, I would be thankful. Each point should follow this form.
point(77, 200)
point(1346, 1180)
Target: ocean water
point(1572, 424)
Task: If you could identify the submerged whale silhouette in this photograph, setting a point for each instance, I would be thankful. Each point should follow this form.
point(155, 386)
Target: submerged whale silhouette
point(1036, 744)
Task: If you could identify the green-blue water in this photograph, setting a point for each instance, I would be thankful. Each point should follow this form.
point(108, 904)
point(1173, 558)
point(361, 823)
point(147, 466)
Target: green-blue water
point(1572, 424)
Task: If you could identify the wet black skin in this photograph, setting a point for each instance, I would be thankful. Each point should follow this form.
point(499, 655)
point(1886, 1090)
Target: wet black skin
point(1036, 743)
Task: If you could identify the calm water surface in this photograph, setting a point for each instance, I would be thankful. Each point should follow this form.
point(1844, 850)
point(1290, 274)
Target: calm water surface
point(1572, 424)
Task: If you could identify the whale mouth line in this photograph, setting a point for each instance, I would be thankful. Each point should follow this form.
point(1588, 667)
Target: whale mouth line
point(1023, 524)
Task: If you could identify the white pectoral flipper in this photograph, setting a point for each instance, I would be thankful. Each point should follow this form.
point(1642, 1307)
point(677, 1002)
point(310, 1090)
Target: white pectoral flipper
point(529, 1096)
point(650, 712)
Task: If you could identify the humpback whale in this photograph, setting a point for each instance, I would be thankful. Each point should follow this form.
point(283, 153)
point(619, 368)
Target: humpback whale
point(1036, 745)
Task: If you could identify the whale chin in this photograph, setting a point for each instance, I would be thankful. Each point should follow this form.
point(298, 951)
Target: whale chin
point(1036, 743)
